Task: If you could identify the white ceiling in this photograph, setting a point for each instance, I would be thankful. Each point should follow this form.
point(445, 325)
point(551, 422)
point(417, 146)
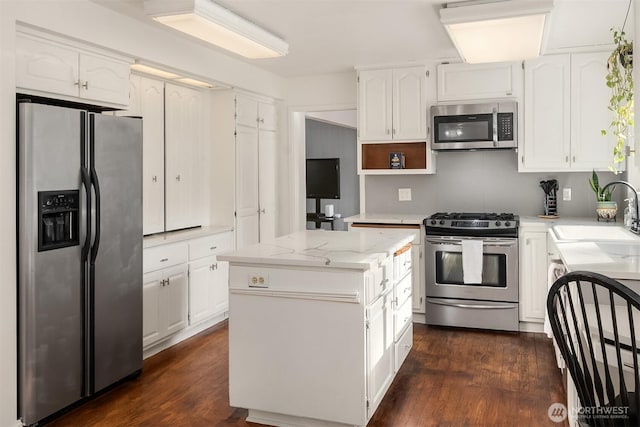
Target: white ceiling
point(327, 36)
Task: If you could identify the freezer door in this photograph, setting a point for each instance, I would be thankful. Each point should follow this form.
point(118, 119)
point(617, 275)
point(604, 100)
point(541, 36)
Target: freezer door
point(116, 255)
point(50, 292)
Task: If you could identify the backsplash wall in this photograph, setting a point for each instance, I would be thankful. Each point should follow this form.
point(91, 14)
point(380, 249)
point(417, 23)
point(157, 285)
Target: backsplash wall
point(480, 181)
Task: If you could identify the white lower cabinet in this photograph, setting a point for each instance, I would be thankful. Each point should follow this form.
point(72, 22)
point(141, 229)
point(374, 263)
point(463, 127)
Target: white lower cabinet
point(533, 273)
point(380, 350)
point(184, 286)
point(164, 307)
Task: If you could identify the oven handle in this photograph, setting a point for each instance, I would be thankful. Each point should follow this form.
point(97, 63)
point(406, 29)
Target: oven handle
point(474, 306)
point(485, 242)
point(495, 126)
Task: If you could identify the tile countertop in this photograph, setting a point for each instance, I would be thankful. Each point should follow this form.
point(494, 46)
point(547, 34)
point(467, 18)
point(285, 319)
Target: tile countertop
point(359, 250)
point(180, 235)
point(377, 218)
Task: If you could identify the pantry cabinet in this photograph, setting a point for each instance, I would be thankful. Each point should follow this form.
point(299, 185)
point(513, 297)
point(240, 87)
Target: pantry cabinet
point(464, 82)
point(52, 67)
point(566, 101)
point(247, 150)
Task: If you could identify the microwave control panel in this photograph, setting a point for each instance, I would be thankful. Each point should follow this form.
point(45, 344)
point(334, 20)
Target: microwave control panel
point(505, 126)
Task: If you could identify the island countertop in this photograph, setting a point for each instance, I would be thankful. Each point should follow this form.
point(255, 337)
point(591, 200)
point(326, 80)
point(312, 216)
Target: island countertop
point(359, 250)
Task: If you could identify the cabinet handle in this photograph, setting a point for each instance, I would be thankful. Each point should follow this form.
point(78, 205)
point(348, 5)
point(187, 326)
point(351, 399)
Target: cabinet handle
point(261, 210)
point(213, 267)
point(262, 120)
point(154, 178)
point(164, 260)
point(394, 301)
point(388, 131)
point(406, 290)
point(76, 83)
point(574, 159)
point(523, 160)
point(178, 178)
point(393, 131)
point(163, 282)
point(384, 282)
point(212, 248)
point(168, 281)
point(86, 85)
point(566, 159)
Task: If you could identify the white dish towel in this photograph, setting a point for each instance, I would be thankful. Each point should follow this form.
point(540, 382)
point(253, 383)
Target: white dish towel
point(472, 261)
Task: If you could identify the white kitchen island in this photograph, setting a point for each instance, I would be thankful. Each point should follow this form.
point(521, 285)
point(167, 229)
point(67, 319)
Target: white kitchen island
point(319, 323)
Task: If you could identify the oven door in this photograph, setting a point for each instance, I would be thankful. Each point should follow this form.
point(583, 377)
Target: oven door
point(499, 270)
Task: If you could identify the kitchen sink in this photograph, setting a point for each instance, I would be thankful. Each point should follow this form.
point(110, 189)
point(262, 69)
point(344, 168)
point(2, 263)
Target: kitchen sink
point(594, 232)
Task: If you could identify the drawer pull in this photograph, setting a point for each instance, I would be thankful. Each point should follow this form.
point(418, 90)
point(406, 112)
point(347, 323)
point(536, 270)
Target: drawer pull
point(212, 248)
point(384, 282)
point(164, 260)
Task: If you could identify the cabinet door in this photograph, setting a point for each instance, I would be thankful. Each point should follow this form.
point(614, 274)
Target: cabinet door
point(201, 289)
point(135, 95)
point(46, 66)
point(247, 199)
point(267, 117)
point(459, 82)
point(104, 79)
point(152, 109)
point(547, 114)
point(533, 276)
point(175, 300)
point(590, 113)
point(379, 350)
point(152, 327)
point(220, 293)
point(375, 105)
point(409, 105)
point(246, 111)
point(268, 184)
point(183, 133)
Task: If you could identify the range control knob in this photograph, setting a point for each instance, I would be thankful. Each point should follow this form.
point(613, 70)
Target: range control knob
point(441, 222)
point(507, 224)
point(433, 222)
point(498, 223)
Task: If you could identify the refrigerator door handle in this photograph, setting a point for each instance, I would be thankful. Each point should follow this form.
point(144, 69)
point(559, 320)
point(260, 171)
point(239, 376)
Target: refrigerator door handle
point(96, 187)
point(86, 182)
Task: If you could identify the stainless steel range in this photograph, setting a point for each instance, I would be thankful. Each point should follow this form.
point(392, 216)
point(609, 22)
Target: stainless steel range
point(472, 270)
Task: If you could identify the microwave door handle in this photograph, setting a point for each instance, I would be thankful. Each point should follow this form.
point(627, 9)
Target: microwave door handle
point(495, 126)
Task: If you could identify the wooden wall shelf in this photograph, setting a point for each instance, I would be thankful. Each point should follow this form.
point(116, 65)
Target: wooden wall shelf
point(376, 156)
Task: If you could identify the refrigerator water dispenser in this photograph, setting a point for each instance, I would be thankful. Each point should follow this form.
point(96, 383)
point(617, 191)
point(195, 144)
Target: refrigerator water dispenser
point(57, 219)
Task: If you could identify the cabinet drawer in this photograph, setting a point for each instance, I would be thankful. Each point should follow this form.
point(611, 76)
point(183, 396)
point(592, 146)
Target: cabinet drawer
point(403, 347)
point(164, 256)
point(380, 279)
point(210, 245)
point(402, 290)
point(403, 317)
point(402, 262)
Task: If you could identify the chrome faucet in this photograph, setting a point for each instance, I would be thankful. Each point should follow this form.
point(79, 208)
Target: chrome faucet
point(636, 220)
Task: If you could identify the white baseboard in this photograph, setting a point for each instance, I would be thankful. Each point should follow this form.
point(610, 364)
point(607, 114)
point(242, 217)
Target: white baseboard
point(419, 318)
point(182, 335)
point(532, 327)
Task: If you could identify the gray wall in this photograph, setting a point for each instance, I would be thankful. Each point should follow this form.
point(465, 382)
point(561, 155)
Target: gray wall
point(324, 140)
point(481, 181)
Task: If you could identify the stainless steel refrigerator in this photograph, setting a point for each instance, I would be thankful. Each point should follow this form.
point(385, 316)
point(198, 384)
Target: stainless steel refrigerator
point(79, 255)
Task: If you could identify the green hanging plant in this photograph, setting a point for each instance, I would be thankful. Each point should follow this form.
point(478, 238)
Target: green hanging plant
point(620, 81)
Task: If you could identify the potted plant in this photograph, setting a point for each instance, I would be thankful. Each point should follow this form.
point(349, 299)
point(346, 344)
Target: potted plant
point(606, 208)
point(620, 81)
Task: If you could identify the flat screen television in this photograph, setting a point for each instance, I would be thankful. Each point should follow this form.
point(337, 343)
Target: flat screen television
point(323, 178)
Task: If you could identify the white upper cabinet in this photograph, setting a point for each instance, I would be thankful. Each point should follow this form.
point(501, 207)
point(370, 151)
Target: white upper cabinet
point(48, 68)
point(267, 118)
point(374, 105)
point(183, 151)
point(462, 82)
point(547, 114)
point(246, 112)
point(566, 100)
point(590, 113)
point(392, 104)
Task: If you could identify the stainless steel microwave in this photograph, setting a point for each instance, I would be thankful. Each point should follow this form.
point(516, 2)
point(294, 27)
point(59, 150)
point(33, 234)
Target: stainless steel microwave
point(474, 126)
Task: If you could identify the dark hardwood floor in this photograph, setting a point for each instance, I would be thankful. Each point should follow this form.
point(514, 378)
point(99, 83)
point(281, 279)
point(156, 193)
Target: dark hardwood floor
point(452, 377)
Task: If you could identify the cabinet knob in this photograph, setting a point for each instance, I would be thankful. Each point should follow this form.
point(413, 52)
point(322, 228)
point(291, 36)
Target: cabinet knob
point(262, 120)
point(76, 83)
point(178, 178)
point(85, 85)
point(154, 178)
point(384, 282)
point(262, 210)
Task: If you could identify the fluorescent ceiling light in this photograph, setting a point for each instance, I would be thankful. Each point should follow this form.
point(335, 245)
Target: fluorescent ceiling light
point(154, 71)
point(214, 24)
point(506, 30)
point(194, 82)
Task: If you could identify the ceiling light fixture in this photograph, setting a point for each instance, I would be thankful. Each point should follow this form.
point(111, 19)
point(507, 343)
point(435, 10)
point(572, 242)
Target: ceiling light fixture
point(167, 75)
point(494, 31)
point(219, 26)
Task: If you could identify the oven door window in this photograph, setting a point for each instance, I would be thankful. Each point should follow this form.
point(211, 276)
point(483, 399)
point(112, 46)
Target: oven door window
point(477, 127)
point(449, 269)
